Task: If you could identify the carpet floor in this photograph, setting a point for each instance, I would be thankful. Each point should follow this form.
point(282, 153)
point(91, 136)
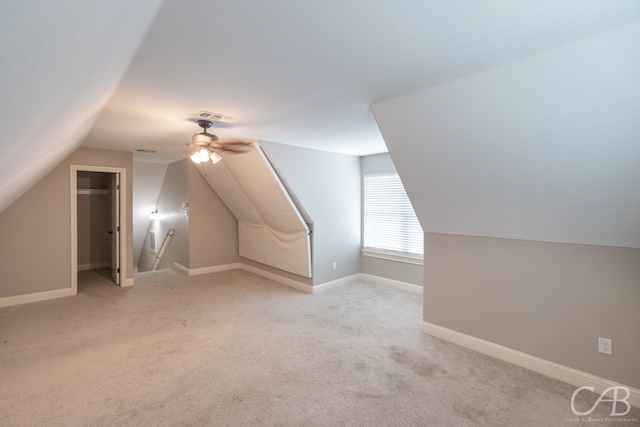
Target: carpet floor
point(236, 349)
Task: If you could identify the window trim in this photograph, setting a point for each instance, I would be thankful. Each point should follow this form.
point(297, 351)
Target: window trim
point(393, 256)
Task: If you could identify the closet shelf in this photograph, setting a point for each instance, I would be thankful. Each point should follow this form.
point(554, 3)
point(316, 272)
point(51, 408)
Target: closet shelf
point(93, 191)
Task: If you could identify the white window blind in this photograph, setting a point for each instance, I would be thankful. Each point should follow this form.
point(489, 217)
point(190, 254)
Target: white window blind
point(390, 224)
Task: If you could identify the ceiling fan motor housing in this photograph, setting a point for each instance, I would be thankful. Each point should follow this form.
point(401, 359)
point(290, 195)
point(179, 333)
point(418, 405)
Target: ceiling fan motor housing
point(203, 138)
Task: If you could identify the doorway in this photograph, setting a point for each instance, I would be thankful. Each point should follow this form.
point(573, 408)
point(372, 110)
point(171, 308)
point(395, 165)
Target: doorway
point(97, 228)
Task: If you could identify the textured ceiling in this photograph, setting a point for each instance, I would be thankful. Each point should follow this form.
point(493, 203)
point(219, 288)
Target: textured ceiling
point(127, 75)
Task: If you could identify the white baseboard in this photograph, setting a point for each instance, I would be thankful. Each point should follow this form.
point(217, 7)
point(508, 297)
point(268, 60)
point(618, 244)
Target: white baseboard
point(393, 283)
point(35, 297)
point(127, 282)
point(257, 271)
point(524, 360)
point(301, 286)
point(335, 283)
point(205, 270)
point(181, 268)
point(304, 287)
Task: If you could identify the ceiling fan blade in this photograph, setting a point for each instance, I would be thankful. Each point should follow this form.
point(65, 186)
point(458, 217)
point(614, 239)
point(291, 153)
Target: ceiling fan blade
point(236, 141)
point(210, 142)
point(236, 145)
point(236, 148)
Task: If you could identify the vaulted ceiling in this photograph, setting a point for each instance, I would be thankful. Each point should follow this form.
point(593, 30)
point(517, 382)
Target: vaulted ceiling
point(129, 75)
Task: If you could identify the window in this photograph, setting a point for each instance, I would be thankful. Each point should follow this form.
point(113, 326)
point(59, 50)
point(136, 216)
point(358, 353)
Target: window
point(391, 228)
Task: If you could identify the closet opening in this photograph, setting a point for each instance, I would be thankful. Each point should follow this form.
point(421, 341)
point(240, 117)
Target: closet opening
point(97, 233)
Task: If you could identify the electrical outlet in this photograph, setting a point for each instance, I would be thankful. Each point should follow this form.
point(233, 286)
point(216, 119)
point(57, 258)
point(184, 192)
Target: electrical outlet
point(335, 265)
point(605, 346)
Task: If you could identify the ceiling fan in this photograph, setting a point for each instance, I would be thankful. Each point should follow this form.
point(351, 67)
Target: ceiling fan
point(207, 143)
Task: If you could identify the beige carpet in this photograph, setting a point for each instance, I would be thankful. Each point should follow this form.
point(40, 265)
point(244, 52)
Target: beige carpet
point(235, 349)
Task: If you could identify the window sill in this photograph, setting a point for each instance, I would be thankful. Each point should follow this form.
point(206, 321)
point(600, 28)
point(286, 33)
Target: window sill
point(393, 256)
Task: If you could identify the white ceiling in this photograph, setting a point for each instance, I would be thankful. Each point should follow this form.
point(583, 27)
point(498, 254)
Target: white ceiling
point(305, 73)
point(127, 75)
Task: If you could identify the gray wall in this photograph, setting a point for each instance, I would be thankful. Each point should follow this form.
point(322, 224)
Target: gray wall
point(540, 150)
point(213, 230)
point(550, 300)
point(174, 192)
point(328, 186)
point(147, 181)
point(207, 237)
point(401, 271)
point(35, 251)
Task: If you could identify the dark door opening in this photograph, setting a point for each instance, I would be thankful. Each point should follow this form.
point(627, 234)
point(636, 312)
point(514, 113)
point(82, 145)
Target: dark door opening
point(98, 217)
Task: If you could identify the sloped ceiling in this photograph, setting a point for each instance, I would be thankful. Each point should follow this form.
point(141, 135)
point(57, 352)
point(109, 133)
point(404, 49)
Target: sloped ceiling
point(60, 62)
point(271, 230)
point(545, 148)
point(127, 75)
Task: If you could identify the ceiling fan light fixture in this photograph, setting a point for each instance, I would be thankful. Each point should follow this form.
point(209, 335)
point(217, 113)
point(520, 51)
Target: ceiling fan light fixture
point(206, 145)
point(203, 154)
point(215, 157)
point(195, 158)
point(200, 156)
